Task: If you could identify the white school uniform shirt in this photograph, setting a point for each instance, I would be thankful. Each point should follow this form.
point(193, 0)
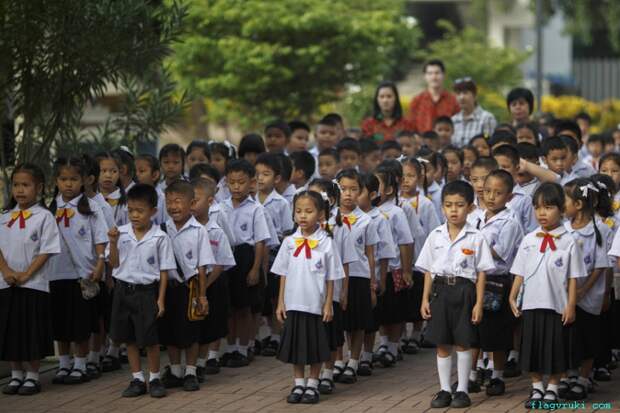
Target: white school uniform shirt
point(121, 215)
point(248, 221)
point(106, 209)
point(582, 169)
point(426, 211)
point(77, 258)
point(545, 275)
point(289, 194)
point(215, 214)
point(566, 177)
point(279, 211)
point(530, 187)
point(362, 236)
point(305, 288)
point(223, 192)
point(616, 205)
point(140, 262)
point(594, 256)
point(220, 246)
point(415, 226)
point(343, 244)
point(503, 233)
point(162, 214)
point(476, 214)
point(434, 192)
point(401, 232)
point(191, 247)
point(464, 257)
point(385, 248)
point(20, 246)
point(521, 206)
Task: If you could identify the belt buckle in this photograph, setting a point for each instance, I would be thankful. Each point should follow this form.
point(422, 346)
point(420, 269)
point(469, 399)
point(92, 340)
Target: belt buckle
point(451, 280)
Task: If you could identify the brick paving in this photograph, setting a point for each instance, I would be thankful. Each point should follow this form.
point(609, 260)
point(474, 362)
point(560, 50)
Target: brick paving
point(263, 386)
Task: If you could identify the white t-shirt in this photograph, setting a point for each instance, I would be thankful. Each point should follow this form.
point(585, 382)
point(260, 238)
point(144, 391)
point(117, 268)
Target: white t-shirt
point(546, 274)
point(306, 277)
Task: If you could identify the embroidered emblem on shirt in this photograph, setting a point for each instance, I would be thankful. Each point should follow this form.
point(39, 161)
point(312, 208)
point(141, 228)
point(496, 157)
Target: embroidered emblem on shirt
point(493, 243)
point(318, 265)
point(151, 260)
point(360, 240)
point(587, 260)
point(189, 255)
point(34, 237)
point(464, 264)
point(559, 262)
point(244, 227)
point(214, 242)
point(82, 231)
point(467, 252)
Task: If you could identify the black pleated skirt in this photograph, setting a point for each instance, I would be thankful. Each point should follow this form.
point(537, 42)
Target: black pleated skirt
point(215, 324)
point(73, 317)
point(25, 324)
point(334, 329)
point(415, 297)
point(358, 315)
point(304, 340)
point(174, 328)
point(583, 338)
point(495, 330)
point(542, 342)
point(393, 306)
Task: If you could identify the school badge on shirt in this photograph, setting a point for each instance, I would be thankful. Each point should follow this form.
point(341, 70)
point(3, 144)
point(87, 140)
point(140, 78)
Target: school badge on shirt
point(318, 265)
point(464, 264)
point(189, 255)
point(151, 260)
point(82, 231)
point(34, 237)
point(559, 262)
point(244, 227)
point(360, 240)
point(587, 260)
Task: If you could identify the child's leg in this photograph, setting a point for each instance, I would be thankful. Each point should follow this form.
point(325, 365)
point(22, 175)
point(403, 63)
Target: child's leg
point(537, 384)
point(191, 356)
point(499, 361)
point(554, 381)
point(152, 354)
point(444, 366)
point(464, 363)
point(79, 361)
point(17, 373)
point(475, 360)
point(174, 355)
point(133, 355)
point(245, 328)
point(32, 372)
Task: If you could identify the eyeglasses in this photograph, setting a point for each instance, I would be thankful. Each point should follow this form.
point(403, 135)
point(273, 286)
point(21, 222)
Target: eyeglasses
point(463, 80)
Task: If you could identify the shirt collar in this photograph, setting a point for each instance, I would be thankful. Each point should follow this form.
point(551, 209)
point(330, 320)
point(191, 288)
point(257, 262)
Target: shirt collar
point(467, 229)
point(586, 231)
point(116, 194)
point(34, 209)
point(249, 199)
point(501, 215)
point(317, 235)
point(191, 223)
point(272, 195)
point(154, 232)
point(72, 203)
point(558, 232)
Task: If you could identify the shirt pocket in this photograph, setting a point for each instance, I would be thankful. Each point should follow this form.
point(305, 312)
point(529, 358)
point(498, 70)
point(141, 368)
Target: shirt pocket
point(557, 266)
point(318, 266)
point(465, 263)
point(82, 231)
point(149, 262)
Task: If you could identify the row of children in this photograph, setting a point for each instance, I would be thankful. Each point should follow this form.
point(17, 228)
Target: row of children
point(193, 262)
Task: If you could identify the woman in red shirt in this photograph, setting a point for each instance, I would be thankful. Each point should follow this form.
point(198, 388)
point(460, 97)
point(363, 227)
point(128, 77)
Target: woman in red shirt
point(387, 119)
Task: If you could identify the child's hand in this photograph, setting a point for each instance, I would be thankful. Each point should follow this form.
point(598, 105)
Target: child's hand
point(9, 277)
point(382, 286)
point(281, 313)
point(344, 295)
point(21, 278)
point(252, 278)
point(425, 310)
point(606, 302)
point(97, 272)
point(476, 314)
point(160, 308)
point(568, 315)
point(373, 298)
point(113, 235)
point(328, 312)
point(408, 278)
point(203, 305)
point(580, 293)
point(515, 308)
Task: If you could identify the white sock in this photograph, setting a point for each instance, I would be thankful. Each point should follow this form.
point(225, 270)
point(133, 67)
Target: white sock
point(176, 370)
point(237, 342)
point(327, 374)
point(153, 376)
point(300, 382)
point(79, 363)
point(490, 365)
point(252, 343)
point(32, 375)
point(93, 357)
point(480, 364)
point(17, 374)
point(113, 351)
point(383, 340)
point(243, 350)
point(473, 375)
point(393, 347)
point(497, 374)
point(190, 370)
point(213, 355)
point(275, 337)
point(64, 361)
point(538, 385)
point(583, 381)
point(313, 383)
point(463, 360)
point(553, 388)
point(339, 363)
point(200, 363)
point(353, 364)
point(138, 376)
point(444, 368)
point(366, 356)
point(513, 355)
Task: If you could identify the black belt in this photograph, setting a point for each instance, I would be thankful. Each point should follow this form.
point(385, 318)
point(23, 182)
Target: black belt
point(450, 280)
point(136, 287)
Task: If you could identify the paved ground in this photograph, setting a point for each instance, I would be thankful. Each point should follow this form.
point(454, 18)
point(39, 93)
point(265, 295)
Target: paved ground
point(408, 387)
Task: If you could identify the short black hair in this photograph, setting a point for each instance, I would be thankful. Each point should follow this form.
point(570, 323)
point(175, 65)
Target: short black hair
point(271, 161)
point(304, 161)
point(387, 145)
point(443, 119)
point(281, 125)
point(251, 143)
point(180, 187)
point(584, 116)
point(458, 187)
point(596, 138)
point(172, 149)
point(487, 162)
point(552, 143)
point(453, 149)
point(241, 165)
point(206, 185)
point(349, 144)
point(286, 166)
point(502, 136)
point(549, 194)
point(430, 135)
point(434, 62)
point(568, 125)
point(504, 176)
point(330, 152)
point(368, 146)
point(521, 93)
point(570, 144)
point(204, 169)
point(150, 159)
point(222, 149)
point(532, 128)
point(297, 124)
point(405, 134)
point(336, 118)
point(528, 150)
point(199, 144)
point(328, 121)
point(143, 192)
point(509, 152)
point(611, 156)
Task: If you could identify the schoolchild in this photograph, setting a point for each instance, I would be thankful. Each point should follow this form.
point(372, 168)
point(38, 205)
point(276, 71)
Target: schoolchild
point(111, 187)
point(197, 153)
point(284, 187)
point(148, 172)
point(172, 161)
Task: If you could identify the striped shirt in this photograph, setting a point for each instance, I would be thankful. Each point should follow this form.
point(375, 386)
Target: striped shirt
point(465, 128)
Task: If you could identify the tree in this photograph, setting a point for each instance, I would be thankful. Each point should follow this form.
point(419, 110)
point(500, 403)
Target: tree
point(286, 58)
point(59, 55)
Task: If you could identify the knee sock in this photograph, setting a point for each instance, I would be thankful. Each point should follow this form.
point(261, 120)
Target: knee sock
point(93, 357)
point(513, 355)
point(301, 383)
point(497, 374)
point(538, 385)
point(17, 375)
point(64, 362)
point(213, 355)
point(79, 363)
point(176, 370)
point(327, 374)
point(32, 375)
point(551, 387)
point(444, 367)
point(153, 376)
point(201, 362)
point(313, 383)
point(463, 360)
point(190, 370)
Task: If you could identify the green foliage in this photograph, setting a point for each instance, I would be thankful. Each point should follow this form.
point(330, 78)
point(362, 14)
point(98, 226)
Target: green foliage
point(288, 57)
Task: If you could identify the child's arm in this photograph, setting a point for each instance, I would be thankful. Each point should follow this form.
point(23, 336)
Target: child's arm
point(609, 278)
point(100, 266)
point(425, 308)
point(568, 315)
point(113, 236)
point(259, 251)
point(545, 175)
point(202, 286)
point(281, 310)
point(406, 258)
point(476, 314)
point(344, 292)
point(370, 253)
point(590, 281)
point(161, 297)
point(7, 273)
point(514, 292)
point(328, 306)
point(383, 270)
point(214, 275)
point(22, 277)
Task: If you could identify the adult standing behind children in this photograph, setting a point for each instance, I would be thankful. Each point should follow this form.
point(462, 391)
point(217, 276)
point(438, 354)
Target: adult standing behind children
point(387, 117)
point(435, 101)
point(472, 120)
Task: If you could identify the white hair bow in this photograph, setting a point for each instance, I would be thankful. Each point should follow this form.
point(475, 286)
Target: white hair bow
point(337, 184)
point(585, 188)
point(324, 196)
point(422, 160)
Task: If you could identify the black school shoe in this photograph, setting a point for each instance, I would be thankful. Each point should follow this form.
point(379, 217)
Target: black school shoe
point(602, 374)
point(190, 383)
point(326, 386)
point(338, 373)
point(136, 388)
point(576, 392)
point(270, 349)
point(60, 378)
point(200, 374)
point(93, 370)
point(79, 378)
point(512, 369)
point(169, 380)
point(212, 366)
point(365, 368)
point(496, 387)
point(460, 400)
point(110, 363)
point(472, 387)
point(441, 400)
point(311, 396)
point(535, 398)
point(295, 396)
point(349, 376)
point(12, 387)
point(157, 389)
point(30, 390)
point(224, 359)
point(237, 360)
point(387, 359)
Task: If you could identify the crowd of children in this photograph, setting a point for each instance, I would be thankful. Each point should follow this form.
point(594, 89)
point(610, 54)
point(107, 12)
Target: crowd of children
point(503, 250)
